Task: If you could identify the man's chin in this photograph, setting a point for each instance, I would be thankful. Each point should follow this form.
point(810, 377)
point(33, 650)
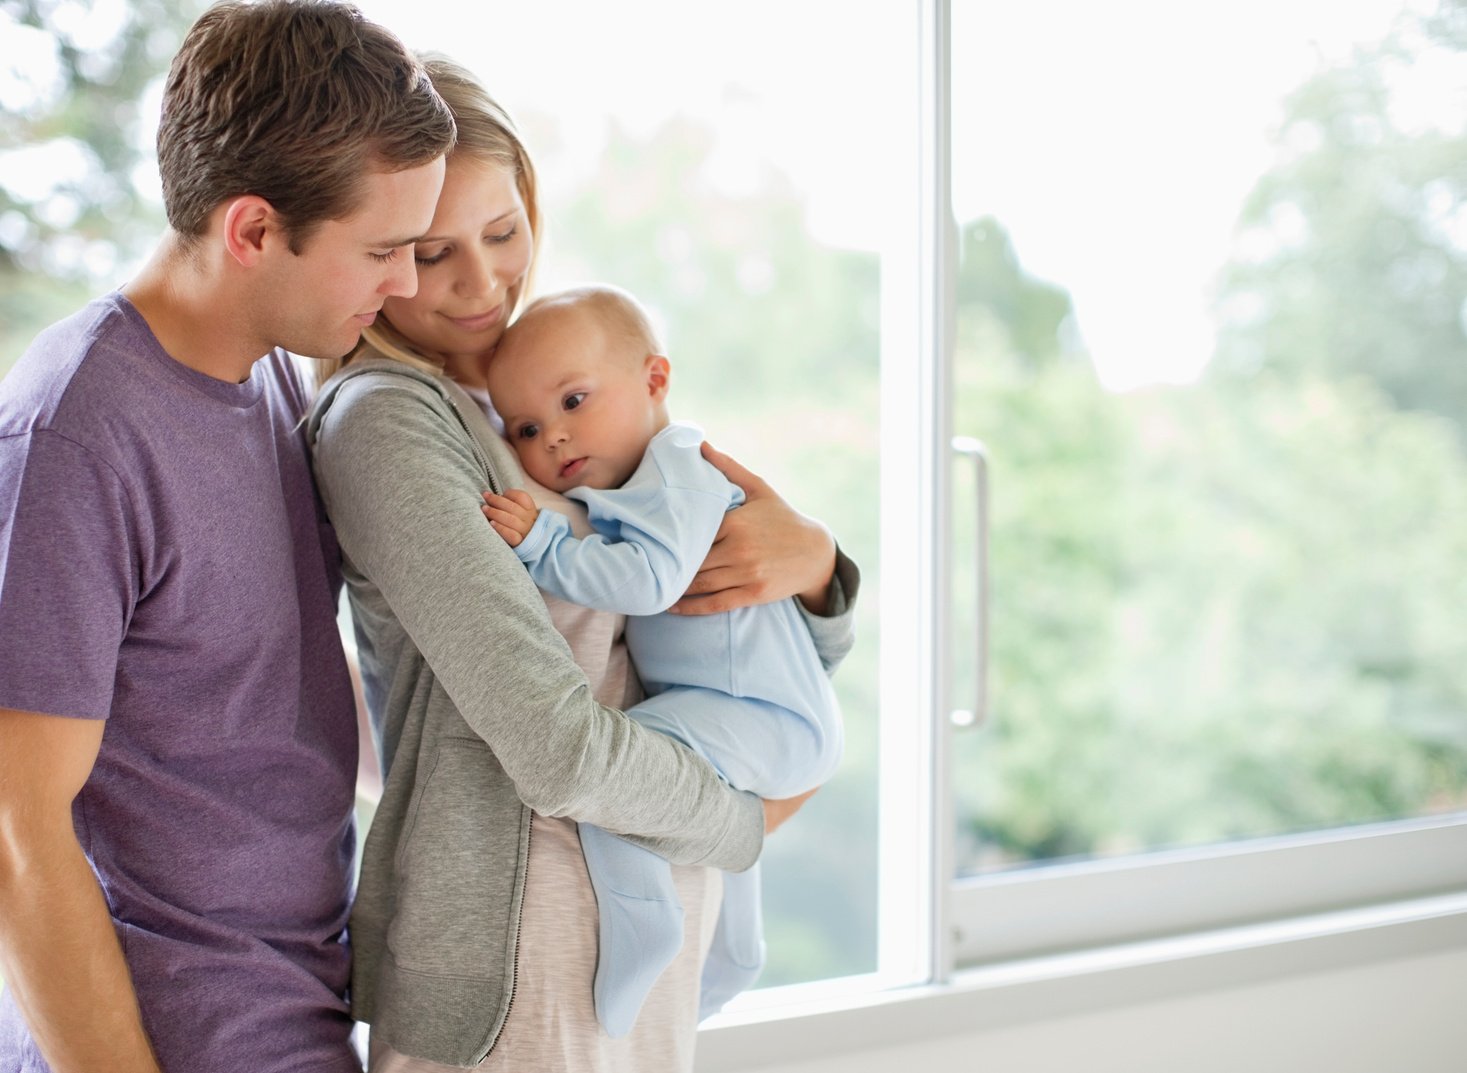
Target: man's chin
point(334, 350)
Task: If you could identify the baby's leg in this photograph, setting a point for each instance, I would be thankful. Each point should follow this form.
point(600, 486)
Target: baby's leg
point(641, 924)
point(757, 746)
point(736, 956)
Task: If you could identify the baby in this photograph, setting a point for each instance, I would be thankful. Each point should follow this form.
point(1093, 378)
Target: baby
point(582, 387)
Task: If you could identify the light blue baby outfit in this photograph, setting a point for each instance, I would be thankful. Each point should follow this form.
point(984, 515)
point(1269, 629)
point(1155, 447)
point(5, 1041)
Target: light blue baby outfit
point(744, 689)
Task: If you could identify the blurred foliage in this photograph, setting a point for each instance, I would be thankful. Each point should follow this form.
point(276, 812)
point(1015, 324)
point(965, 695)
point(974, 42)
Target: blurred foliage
point(74, 138)
point(1219, 610)
point(1352, 255)
point(1226, 609)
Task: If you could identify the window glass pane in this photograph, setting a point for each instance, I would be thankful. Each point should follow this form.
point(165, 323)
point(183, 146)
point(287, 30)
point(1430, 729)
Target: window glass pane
point(1211, 330)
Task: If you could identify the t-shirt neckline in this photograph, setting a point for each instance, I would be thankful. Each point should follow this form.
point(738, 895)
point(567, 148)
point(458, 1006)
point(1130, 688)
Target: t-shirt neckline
point(241, 396)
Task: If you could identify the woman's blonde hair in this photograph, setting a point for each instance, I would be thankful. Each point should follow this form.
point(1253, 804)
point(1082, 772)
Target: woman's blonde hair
point(488, 136)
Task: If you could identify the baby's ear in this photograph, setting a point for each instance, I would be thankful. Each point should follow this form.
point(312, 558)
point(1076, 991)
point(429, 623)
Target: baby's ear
point(659, 372)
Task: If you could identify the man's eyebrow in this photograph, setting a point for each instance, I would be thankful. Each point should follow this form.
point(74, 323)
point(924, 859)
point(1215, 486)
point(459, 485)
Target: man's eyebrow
point(394, 243)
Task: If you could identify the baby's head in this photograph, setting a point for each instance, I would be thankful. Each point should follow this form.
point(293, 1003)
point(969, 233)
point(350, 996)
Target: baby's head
point(582, 386)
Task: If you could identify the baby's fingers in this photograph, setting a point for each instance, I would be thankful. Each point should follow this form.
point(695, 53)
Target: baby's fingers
point(505, 525)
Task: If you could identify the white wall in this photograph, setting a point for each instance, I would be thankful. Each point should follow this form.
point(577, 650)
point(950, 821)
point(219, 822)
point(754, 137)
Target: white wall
point(1398, 1016)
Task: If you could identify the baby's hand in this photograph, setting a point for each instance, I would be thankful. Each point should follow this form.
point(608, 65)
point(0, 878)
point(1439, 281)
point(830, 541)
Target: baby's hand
point(512, 514)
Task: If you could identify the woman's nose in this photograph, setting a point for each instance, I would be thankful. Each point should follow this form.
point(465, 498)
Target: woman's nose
point(478, 279)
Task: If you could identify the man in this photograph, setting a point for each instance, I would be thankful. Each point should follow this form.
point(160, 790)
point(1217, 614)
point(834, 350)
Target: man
point(177, 732)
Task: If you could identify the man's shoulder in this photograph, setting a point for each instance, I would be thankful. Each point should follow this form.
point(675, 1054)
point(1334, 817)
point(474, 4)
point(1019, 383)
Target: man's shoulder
point(68, 357)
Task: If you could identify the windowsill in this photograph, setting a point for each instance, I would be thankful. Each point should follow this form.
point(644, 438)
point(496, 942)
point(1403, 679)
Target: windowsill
point(792, 1025)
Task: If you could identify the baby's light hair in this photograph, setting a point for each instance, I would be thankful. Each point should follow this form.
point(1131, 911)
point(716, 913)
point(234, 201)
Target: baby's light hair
point(612, 308)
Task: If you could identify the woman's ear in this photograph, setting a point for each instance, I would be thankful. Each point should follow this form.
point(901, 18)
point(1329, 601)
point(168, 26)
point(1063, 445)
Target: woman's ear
point(659, 372)
point(249, 222)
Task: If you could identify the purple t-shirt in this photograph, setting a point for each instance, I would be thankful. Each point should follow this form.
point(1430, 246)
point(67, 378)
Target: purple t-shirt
point(164, 565)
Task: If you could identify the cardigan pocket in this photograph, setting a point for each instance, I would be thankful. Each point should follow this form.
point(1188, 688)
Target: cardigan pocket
point(456, 896)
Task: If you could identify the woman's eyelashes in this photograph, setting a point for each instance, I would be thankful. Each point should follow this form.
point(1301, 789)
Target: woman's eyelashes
point(490, 240)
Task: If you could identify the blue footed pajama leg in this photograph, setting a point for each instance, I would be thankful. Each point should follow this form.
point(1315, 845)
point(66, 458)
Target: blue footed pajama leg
point(641, 924)
point(737, 955)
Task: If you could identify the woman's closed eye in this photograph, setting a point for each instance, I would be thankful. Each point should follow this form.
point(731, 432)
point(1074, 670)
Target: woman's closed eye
point(503, 236)
point(432, 259)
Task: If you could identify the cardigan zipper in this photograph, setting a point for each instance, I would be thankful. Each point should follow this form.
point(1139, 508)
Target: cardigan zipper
point(519, 921)
point(483, 460)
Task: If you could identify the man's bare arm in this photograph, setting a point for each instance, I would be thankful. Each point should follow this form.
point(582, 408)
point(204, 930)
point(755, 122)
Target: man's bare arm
point(59, 952)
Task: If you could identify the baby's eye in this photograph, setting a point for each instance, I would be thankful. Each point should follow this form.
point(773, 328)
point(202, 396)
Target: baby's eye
point(528, 432)
point(574, 400)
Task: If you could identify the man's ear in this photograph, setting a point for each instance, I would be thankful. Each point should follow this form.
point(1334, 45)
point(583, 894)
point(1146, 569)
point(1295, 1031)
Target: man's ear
point(659, 371)
point(250, 223)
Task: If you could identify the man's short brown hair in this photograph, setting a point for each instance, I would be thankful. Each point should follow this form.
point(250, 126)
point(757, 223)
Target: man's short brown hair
point(294, 101)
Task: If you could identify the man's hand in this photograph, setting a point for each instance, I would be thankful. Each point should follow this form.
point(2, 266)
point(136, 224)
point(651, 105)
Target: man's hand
point(512, 514)
point(776, 812)
point(764, 551)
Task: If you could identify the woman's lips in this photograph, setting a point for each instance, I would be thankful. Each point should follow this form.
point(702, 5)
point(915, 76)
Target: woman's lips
point(479, 323)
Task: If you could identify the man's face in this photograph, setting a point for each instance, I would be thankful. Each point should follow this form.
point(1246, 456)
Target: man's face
point(323, 297)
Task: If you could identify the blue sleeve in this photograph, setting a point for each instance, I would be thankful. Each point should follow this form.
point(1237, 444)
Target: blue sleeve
point(651, 534)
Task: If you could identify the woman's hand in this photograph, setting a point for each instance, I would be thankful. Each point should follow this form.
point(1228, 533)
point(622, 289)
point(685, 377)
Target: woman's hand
point(776, 812)
point(764, 551)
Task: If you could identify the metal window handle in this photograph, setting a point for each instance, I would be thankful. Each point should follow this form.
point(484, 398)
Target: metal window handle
point(976, 716)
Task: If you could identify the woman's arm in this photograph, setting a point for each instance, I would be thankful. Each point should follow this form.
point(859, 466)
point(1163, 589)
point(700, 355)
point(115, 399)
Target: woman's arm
point(402, 486)
point(767, 551)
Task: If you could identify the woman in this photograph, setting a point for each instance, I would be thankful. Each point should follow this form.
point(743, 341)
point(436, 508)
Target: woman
point(474, 926)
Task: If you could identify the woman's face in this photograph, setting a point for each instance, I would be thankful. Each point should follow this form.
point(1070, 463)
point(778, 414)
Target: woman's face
point(471, 268)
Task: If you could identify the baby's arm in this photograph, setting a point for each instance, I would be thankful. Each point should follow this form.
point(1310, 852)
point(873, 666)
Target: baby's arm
point(635, 564)
point(651, 534)
point(512, 515)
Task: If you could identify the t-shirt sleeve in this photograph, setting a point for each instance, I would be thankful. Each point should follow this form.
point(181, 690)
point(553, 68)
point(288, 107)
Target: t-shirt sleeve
point(67, 576)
